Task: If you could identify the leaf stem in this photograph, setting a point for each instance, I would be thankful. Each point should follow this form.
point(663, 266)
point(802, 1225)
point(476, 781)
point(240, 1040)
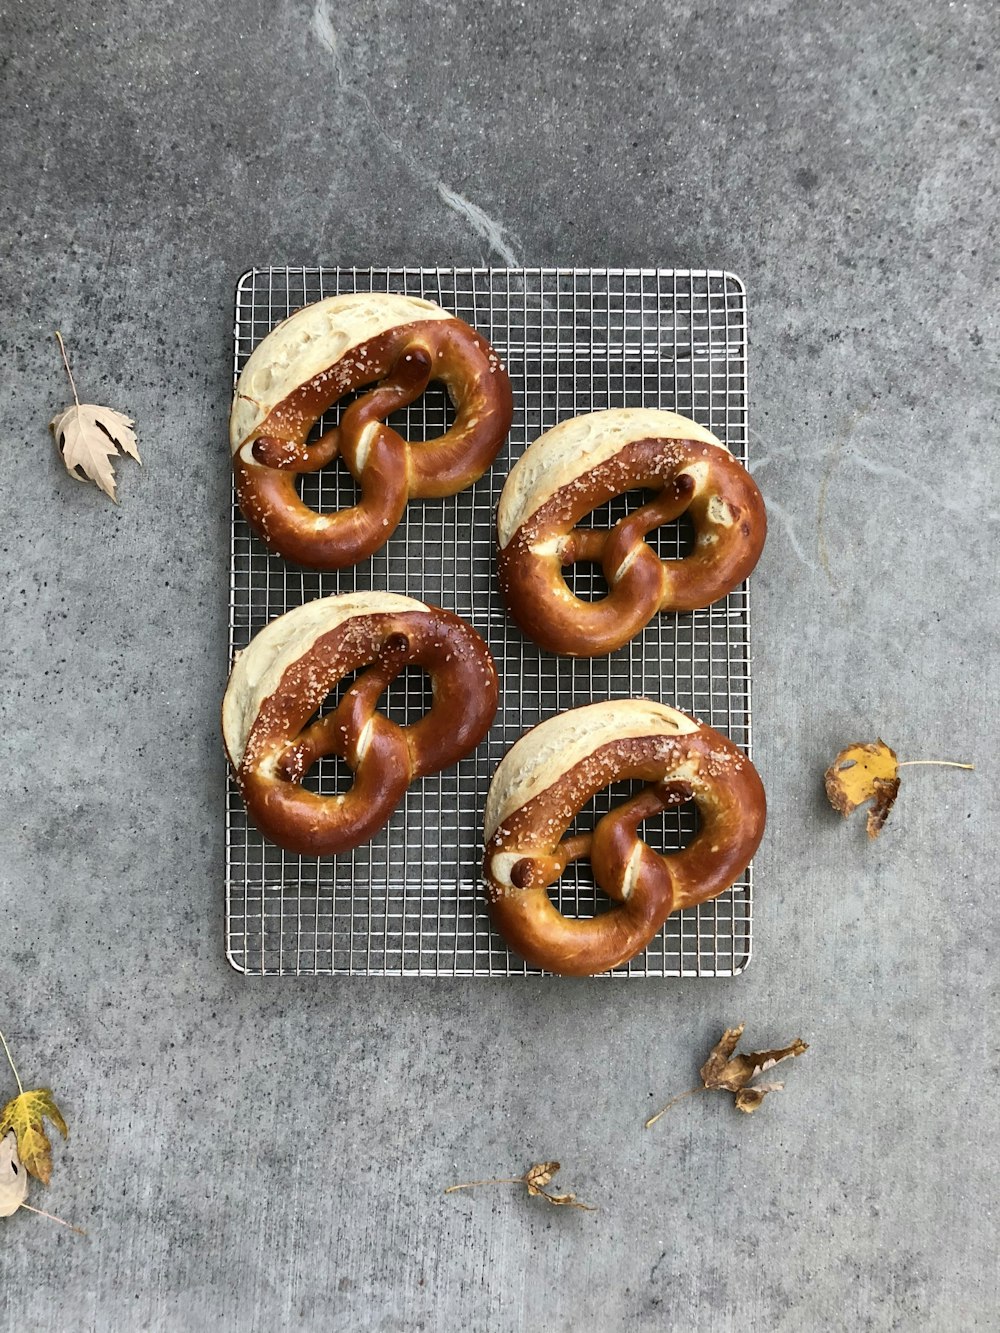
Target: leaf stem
point(72, 381)
point(10, 1061)
point(52, 1218)
point(499, 1180)
point(943, 763)
point(673, 1101)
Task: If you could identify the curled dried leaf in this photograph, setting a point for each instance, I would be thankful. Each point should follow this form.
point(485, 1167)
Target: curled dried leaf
point(748, 1099)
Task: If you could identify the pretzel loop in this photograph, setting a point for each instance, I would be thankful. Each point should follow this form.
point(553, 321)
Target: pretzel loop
point(398, 344)
point(550, 775)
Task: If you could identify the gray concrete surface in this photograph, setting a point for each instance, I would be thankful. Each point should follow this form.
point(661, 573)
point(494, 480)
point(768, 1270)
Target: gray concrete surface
point(263, 1156)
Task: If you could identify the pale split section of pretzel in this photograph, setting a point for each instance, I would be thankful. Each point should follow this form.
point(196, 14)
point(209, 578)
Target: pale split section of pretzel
point(551, 773)
point(398, 344)
point(273, 736)
point(578, 466)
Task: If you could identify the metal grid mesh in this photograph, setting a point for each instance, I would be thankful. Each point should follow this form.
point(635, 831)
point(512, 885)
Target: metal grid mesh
point(574, 341)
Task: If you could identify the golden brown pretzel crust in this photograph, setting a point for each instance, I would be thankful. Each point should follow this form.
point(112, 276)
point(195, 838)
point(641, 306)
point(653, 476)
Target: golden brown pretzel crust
point(526, 853)
point(271, 742)
point(400, 363)
point(690, 475)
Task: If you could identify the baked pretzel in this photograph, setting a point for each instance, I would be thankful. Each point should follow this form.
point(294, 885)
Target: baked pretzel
point(551, 773)
point(279, 681)
point(309, 362)
point(580, 464)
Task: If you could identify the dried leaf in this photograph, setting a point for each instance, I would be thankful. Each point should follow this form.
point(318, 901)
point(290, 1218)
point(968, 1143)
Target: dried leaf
point(735, 1073)
point(748, 1099)
point(864, 772)
point(25, 1114)
point(534, 1179)
point(13, 1177)
point(539, 1175)
point(726, 1071)
point(714, 1067)
point(88, 437)
point(886, 792)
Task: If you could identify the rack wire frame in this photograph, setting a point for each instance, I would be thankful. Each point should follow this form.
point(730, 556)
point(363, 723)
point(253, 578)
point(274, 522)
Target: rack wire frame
point(573, 341)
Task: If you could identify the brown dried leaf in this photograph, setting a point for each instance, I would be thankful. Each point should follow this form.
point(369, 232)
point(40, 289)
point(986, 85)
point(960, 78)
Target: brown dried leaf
point(748, 1099)
point(88, 437)
point(539, 1175)
point(737, 1072)
point(726, 1071)
point(714, 1067)
point(534, 1179)
point(864, 772)
point(886, 792)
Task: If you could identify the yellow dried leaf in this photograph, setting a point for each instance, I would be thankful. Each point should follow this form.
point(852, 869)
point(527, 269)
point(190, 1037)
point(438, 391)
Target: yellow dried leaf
point(25, 1114)
point(864, 772)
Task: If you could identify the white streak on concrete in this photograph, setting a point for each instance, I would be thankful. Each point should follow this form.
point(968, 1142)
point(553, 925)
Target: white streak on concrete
point(775, 510)
point(491, 231)
point(481, 223)
point(325, 34)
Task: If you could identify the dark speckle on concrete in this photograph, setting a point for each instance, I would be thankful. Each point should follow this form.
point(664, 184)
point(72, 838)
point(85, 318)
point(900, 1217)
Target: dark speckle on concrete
point(262, 1156)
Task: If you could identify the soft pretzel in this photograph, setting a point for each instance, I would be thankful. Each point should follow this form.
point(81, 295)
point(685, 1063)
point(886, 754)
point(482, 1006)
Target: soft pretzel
point(551, 773)
point(311, 360)
point(580, 464)
point(279, 681)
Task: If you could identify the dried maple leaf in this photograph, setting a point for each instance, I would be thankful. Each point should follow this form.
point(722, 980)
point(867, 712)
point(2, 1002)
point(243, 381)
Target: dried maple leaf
point(25, 1114)
point(89, 436)
point(13, 1177)
point(727, 1072)
point(732, 1072)
point(534, 1179)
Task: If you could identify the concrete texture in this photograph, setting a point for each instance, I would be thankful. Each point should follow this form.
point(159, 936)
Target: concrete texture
point(263, 1156)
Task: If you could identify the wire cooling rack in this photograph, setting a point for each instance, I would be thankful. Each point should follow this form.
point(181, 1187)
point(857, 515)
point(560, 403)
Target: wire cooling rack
point(409, 903)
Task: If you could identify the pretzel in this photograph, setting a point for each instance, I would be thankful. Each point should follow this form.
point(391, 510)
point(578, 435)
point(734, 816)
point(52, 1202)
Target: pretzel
point(580, 464)
point(551, 773)
point(309, 362)
point(279, 681)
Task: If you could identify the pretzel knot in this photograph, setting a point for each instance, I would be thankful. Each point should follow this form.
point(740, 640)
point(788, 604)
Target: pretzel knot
point(584, 462)
point(308, 363)
point(546, 779)
point(280, 680)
